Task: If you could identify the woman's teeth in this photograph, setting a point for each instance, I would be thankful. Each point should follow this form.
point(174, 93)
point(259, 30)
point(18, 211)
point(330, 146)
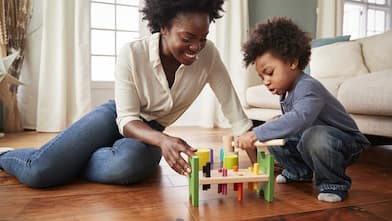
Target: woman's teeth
point(190, 55)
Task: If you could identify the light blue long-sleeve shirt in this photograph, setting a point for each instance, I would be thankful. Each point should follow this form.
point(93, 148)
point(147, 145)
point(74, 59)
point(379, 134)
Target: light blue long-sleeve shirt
point(308, 104)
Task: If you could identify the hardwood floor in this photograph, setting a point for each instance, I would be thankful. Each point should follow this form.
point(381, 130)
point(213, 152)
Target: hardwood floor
point(164, 196)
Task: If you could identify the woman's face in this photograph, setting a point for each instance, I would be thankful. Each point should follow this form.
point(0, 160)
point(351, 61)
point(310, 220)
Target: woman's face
point(186, 37)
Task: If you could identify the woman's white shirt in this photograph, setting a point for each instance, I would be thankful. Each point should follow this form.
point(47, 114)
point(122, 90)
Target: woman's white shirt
point(142, 90)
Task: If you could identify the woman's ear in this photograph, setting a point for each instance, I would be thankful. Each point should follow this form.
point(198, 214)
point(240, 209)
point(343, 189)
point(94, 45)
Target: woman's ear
point(294, 64)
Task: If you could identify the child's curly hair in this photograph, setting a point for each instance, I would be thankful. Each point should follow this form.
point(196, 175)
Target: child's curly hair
point(282, 38)
point(159, 13)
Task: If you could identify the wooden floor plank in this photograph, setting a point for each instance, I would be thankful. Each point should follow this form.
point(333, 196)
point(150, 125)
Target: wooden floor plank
point(382, 209)
point(336, 214)
point(164, 195)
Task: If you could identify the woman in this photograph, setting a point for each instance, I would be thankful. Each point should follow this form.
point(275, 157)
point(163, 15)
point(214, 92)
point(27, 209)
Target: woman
point(157, 79)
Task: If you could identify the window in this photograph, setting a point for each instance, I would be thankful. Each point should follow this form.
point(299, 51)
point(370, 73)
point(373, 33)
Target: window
point(366, 17)
point(112, 24)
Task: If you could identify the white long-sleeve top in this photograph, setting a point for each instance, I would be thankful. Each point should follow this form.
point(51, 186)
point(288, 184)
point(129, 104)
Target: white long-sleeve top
point(142, 90)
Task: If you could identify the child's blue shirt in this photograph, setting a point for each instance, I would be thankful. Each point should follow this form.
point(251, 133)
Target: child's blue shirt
point(308, 104)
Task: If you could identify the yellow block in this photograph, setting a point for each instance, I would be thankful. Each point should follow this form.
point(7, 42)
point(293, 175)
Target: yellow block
point(255, 168)
point(255, 186)
point(204, 157)
point(230, 160)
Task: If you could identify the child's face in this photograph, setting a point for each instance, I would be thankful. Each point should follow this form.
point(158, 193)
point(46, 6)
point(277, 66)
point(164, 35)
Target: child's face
point(277, 75)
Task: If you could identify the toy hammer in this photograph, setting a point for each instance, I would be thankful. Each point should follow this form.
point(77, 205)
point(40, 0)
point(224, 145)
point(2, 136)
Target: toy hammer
point(228, 143)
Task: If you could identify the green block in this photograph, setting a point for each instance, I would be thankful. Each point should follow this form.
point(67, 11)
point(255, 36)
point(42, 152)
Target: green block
point(194, 181)
point(266, 166)
point(230, 160)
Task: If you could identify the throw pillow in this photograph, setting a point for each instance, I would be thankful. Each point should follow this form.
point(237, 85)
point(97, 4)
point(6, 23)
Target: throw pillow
point(326, 41)
point(338, 60)
point(377, 51)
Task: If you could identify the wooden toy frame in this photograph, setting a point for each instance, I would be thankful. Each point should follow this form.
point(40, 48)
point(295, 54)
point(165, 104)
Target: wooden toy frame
point(265, 175)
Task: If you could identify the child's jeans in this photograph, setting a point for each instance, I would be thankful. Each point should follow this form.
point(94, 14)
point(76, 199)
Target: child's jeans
point(324, 150)
point(92, 148)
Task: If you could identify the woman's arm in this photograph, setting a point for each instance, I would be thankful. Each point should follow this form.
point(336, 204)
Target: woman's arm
point(128, 109)
point(171, 146)
point(223, 88)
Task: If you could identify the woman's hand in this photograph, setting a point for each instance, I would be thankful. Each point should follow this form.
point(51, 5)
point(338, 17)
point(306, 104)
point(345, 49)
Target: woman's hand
point(246, 140)
point(172, 147)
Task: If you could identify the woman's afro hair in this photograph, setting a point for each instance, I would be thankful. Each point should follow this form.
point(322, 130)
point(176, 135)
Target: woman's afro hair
point(159, 13)
point(282, 38)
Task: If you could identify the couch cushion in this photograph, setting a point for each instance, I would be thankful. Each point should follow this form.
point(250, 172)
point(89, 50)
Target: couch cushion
point(261, 114)
point(377, 51)
point(369, 94)
point(373, 124)
point(333, 84)
point(260, 96)
point(337, 60)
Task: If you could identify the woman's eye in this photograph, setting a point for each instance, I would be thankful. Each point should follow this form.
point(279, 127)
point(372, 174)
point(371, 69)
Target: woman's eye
point(186, 40)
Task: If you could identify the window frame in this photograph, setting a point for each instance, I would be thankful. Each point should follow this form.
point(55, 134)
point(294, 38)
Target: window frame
point(387, 7)
point(109, 84)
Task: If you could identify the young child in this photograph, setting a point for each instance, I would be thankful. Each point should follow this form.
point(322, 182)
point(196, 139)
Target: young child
point(322, 137)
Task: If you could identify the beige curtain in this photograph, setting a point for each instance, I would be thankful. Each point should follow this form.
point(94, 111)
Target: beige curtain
point(329, 18)
point(56, 69)
point(228, 34)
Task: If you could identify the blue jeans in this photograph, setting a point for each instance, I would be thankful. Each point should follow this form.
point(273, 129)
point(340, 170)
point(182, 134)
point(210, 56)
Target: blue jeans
point(92, 148)
point(322, 150)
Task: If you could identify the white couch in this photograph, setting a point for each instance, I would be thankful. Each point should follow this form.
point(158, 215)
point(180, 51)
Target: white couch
point(358, 73)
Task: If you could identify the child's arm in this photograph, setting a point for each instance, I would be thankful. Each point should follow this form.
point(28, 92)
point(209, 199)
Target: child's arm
point(307, 103)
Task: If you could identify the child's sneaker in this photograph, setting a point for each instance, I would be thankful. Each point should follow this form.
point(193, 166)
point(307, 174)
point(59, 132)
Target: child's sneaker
point(332, 196)
point(281, 179)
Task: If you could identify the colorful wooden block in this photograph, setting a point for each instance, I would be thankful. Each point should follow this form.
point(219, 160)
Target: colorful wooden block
point(204, 156)
point(194, 181)
point(265, 174)
point(230, 160)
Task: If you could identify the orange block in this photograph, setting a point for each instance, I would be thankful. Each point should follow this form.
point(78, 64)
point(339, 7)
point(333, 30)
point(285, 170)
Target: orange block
point(240, 194)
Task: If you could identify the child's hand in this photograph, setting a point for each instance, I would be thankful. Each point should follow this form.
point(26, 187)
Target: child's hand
point(246, 141)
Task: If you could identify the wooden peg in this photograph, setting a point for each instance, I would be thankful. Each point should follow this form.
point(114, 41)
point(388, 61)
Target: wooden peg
point(268, 143)
point(227, 141)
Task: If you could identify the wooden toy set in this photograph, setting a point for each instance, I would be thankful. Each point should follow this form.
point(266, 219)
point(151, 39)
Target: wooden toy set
point(259, 178)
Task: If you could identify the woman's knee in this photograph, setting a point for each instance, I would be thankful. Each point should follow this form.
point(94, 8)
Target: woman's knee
point(135, 161)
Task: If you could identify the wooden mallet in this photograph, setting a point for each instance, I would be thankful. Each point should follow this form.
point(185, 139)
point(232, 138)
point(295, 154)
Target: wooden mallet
point(228, 143)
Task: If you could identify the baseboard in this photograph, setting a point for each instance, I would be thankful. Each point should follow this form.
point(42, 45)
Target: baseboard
point(379, 140)
point(378, 155)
